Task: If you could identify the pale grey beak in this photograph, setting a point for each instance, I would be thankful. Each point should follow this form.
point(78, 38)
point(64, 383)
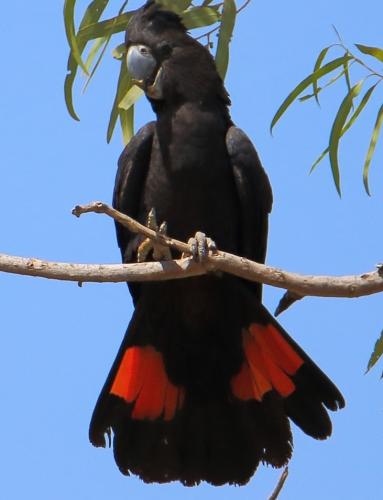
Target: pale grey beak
point(142, 68)
point(140, 62)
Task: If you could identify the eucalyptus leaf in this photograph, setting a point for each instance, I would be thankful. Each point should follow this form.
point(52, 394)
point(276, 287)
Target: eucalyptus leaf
point(131, 97)
point(371, 148)
point(347, 75)
point(92, 14)
point(177, 6)
point(359, 108)
point(107, 40)
point(96, 46)
point(127, 124)
point(119, 52)
point(319, 89)
point(68, 87)
point(225, 33)
point(105, 28)
point(319, 159)
point(106, 43)
point(336, 131)
point(318, 64)
point(376, 52)
point(349, 124)
point(69, 6)
point(309, 80)
point(376, 353)
point(124, 83)
point(198, 17)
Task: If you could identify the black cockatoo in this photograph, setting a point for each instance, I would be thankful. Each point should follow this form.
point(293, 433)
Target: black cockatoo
point(206, 380)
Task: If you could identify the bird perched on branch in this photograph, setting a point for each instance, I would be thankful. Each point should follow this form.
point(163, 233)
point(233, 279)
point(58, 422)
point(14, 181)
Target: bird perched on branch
point(206, 380)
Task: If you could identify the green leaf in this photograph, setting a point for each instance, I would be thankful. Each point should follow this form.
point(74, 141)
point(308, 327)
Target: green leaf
point(376, 353)
point(97, 44)
point(130, 98)
point(376, 52)
point(107, 40)
point(349, 124)
point(336, 131)
point(360, 108)
point(347, 75)
point(308, 96)
point(124, 83)
point(92, 14)
point(318, 64)
point(309, 80)
point(68, 88)
point(319, 89)
point(177, 6)
point(183, 4)
point(70, 30)
point(127, 124)
point(318, 160)
point(198, 17)
point(371, 148)
point(225, 33)
point(119, 51)
point(104, 28)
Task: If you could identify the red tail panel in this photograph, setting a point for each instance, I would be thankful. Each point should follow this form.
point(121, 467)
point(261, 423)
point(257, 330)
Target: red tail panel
point(141, 378)
point(260, 380)
point(129, 378)
point(242, 385)
point(272, 342)
point(151, 398)
point(269, 360)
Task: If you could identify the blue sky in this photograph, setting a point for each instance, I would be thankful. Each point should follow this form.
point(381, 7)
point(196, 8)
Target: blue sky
point(58, 341)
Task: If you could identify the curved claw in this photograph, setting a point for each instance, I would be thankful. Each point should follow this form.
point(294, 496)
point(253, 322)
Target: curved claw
point(200, 246)
point(159, 252)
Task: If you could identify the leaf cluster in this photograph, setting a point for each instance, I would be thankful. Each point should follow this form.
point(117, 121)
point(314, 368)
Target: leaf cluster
point(351, 106)
point(94, 35)
point(349, 110)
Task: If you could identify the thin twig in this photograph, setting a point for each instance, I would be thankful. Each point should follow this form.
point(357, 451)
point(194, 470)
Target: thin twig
point(280, 484)
point(243, 6)
point(210, 32)
point(135, 227)
point(356, 59)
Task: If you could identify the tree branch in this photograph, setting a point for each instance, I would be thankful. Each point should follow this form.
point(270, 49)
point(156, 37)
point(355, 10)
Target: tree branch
point(134, 227)
point(280, 484)
point(301, 285)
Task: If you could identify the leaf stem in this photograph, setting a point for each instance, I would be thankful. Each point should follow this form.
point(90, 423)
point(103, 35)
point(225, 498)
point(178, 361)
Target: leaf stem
point(210, 32)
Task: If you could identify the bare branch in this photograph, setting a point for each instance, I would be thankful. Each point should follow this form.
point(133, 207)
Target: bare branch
point(300, 285)
point(101, 273)
point(135, 227)
point(320, 286)
point(280, 484)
